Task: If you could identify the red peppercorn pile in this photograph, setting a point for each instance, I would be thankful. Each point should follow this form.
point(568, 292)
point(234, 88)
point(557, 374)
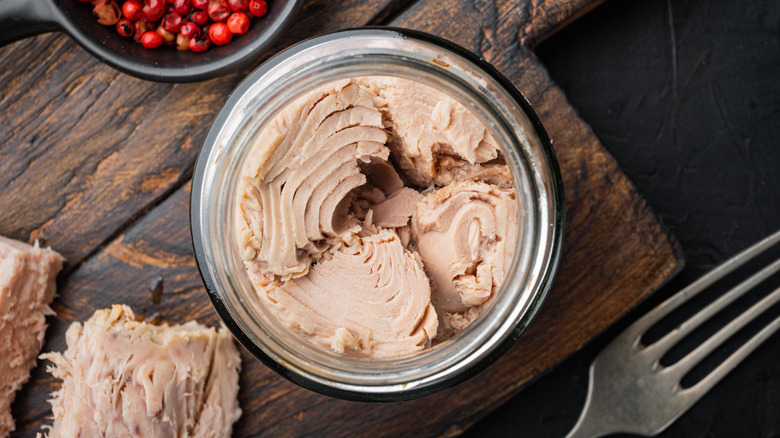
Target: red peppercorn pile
point(188, 24)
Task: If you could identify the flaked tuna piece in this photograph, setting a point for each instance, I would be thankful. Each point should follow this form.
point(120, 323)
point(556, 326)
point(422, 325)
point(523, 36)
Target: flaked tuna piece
point(383, 181)
point(27, 287)
point(464, 132)
point(396, 210)
point(426, 125)
point(125, 378)
point(466, 235)
point(365, 198)
point(369, 297)
point(451, 170)
point(405, 234)
point(298, 181)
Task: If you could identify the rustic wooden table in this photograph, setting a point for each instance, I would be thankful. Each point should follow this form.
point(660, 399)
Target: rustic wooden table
point(97, 164)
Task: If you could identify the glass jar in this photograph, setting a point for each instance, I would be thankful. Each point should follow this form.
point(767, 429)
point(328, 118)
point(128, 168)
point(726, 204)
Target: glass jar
point(386, 52)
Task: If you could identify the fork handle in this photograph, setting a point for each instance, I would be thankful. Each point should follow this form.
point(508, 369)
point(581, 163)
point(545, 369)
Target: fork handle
point(592, 424)
point(588, 429)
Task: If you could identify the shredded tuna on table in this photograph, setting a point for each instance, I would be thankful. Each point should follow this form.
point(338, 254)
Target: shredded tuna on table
point(27, 287)
point(376, 216)
point(126, 378)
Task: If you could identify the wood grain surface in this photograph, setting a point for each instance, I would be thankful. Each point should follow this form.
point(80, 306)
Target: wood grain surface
point(96, 164)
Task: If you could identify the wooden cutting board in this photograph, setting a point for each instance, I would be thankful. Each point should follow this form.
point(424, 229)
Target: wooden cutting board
point(97, 164)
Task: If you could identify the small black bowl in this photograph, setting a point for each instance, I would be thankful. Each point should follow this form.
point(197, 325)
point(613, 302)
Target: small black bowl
point(22, 18)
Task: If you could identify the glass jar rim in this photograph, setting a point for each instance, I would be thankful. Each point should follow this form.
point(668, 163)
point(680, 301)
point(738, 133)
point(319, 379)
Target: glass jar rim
point(216, 148)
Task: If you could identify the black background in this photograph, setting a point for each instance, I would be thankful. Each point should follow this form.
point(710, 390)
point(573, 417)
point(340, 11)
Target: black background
point(686, 96)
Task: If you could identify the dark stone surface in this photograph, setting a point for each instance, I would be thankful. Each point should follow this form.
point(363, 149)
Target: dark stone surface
point(686, 96)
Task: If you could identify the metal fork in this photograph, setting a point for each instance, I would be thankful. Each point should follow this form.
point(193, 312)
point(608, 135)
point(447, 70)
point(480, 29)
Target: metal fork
point(630, 391)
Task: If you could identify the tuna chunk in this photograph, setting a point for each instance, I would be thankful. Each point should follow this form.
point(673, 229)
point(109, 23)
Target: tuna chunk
point(396, 210)
point(451, 170)
point(368, 298)
point(125, 378)
point(427, 125)
point(299, 180)
point(463, 131)
point(27, 286)
point(466, 235)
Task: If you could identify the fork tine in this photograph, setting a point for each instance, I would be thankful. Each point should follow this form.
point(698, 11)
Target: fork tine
point(694, 357)
point(704, 385)
point(675, 301)
point(663, 345)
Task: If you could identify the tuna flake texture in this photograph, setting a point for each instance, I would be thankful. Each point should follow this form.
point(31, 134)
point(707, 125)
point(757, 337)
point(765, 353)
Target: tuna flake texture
point(371, 298)
point(300, 177)
point(466, 234)
point(27, 286)
point(426, 127)
point(376, 216)
point(125, 378)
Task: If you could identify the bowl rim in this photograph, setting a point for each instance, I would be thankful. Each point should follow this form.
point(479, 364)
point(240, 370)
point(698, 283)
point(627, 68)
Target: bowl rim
point(208, 70)
point(557, 218)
